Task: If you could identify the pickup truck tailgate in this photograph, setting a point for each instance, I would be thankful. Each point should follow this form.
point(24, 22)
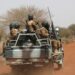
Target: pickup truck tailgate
point(32, 52)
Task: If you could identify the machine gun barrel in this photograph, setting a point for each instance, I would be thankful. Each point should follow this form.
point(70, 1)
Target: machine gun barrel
point(54, 36)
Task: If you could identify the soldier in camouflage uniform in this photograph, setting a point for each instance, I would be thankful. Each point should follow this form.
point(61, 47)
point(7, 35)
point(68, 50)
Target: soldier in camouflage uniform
point(14, 31)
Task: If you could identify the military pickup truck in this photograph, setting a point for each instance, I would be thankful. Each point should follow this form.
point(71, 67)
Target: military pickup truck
point(22, 51)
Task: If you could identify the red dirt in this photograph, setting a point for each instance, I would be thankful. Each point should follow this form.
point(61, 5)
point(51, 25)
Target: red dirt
point(68, 69)
point(69, 61)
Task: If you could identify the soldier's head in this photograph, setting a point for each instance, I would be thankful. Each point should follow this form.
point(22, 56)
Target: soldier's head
point(14, 28)
point(30, 17)
point(46, 25)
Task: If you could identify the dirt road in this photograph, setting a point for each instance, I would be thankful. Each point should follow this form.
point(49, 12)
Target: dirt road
point(69, 61)
point(68, 69)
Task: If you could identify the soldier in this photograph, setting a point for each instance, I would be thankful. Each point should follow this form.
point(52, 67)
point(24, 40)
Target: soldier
point(46, 25)
point(14, 31)
point(56, 41)
point(44, 30)
point(31, 28)
point(31, 25)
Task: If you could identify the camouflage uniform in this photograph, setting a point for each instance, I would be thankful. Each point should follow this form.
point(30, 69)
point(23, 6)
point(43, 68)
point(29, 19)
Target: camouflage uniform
point(43, 32)
point(14, 31)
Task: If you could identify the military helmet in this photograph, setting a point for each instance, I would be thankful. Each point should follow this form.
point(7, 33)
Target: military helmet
point(30, 17)
point(15, 25)
point(46, 25)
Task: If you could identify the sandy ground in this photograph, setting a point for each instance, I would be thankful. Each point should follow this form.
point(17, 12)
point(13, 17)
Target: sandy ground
point(68, 68)
point(69, 61)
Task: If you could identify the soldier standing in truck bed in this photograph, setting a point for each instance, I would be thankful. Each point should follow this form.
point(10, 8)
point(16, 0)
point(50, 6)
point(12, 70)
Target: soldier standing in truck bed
point(30, 24)
point(31, 28)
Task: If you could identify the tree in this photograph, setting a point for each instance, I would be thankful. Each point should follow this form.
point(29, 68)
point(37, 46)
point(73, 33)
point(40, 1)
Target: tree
point(65, 32)
point(2, 34)
point(20, 15)
point(72, 28)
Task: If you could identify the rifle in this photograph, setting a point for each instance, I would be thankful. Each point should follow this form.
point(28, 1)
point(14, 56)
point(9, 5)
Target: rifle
point(52, 28)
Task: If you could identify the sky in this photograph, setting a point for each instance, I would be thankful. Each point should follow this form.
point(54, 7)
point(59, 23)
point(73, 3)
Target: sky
point(63, 11)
